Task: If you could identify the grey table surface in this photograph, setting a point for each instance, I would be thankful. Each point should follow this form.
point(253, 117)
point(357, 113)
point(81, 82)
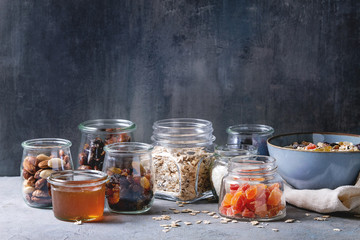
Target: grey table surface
point(18, 221)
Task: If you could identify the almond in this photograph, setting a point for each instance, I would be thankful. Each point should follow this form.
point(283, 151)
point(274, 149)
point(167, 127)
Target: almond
point(37, 174)
point(44, 164)
point(42, 157)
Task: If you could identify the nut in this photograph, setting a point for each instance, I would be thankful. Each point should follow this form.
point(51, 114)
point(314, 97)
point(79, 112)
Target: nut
point(41, 200)
point(46, 173)
point(26, 174)
point(84, 167)
point(28, 190)
point(56, 163)
point(41, 184)
point(37, 174)
point(42, 157)
point(29, 164)
point(31, 181)
point(40, 194)
point(44, 164)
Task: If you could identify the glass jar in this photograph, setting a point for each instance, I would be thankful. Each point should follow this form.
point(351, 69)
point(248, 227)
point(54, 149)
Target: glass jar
point(182, 158)
point(252, 189)
point(41, 157)
point(220, 166)
point(96, 134)
point(251, 134)
point(78, 195)
point(130, 188)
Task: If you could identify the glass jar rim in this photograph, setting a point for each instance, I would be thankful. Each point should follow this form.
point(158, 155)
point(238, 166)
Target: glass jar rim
point(177, 122)
point(183, 132)
point(46, 143)
point(128, 147)
point(98, 177)
point(258, 129)
point(100, 125)
point(235, 148)
point(252, 165)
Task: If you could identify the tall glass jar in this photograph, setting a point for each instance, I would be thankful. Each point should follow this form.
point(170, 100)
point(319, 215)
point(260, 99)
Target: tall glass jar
point(220, 166)
point(252, 189)
point(252, 134)
point(130, 188)
point(96, 134)
point(182, 158)
point(41, 157)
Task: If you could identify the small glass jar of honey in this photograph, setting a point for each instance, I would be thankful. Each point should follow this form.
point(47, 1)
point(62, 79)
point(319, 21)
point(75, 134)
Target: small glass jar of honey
point(78, 195)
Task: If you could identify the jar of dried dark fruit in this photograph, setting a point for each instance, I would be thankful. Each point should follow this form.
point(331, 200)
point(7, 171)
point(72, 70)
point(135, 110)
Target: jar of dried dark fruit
point(41, 157)
point(96, 134)
point(130, 188)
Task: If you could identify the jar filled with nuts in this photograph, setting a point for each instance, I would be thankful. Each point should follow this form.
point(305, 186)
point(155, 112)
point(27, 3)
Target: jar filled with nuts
point(96, 134)
point(182, 158)
point(41, 157)
point(130, 186)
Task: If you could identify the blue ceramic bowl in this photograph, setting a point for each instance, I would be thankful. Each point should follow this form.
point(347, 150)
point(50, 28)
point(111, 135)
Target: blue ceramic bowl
point(315, 170)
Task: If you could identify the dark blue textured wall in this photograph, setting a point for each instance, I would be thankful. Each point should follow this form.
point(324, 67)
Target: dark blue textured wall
point(290, 64)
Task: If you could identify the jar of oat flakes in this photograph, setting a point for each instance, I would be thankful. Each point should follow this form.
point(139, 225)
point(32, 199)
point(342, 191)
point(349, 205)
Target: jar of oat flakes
point(182, 158)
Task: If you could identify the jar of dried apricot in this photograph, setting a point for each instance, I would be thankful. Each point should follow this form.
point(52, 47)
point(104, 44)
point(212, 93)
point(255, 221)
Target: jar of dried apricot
point(252, 189)
point(78, 195)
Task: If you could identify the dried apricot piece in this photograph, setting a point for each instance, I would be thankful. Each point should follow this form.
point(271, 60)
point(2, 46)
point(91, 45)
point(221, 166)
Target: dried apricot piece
point(247, 213)
point(274, 197)
point(251, 192)
point(227, 200)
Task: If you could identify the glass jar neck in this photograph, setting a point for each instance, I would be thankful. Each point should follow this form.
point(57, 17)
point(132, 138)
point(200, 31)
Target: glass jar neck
point(128, 147)
point(46, 143)
point(107, 126)
point(183, 132)
point(250, 129)
point(252, 165)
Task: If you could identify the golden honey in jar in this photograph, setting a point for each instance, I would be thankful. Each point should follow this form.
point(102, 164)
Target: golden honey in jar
point(78, 195)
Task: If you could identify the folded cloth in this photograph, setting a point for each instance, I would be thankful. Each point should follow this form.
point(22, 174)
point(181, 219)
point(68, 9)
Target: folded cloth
point(341, 199)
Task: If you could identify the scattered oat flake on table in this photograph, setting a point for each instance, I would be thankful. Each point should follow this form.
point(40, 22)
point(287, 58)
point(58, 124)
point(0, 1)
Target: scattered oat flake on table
point(337, 229)
point(176, 211)
point(260, 226)
point(181, 205)
point(290, 220)
point(174, 224)
point(196, 211)
point(205, 211)
point(193, 214)
point(307, 214)
point(206, 222)
point(254, 223)
point(216, 216)
point(177, 221)
point(298, 221)
point(223, 222)
point(188, 223)
point(78, 222)
point(320, 219)
point(164, 225)
point(275, 229)
point(326, 216)
point(198, 222)
point(234, 221)
point(165, 230)
point(165, 217)
point(211, 213)
point(157, 218)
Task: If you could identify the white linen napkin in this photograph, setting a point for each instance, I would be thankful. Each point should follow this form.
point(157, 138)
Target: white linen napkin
point(341, 199)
